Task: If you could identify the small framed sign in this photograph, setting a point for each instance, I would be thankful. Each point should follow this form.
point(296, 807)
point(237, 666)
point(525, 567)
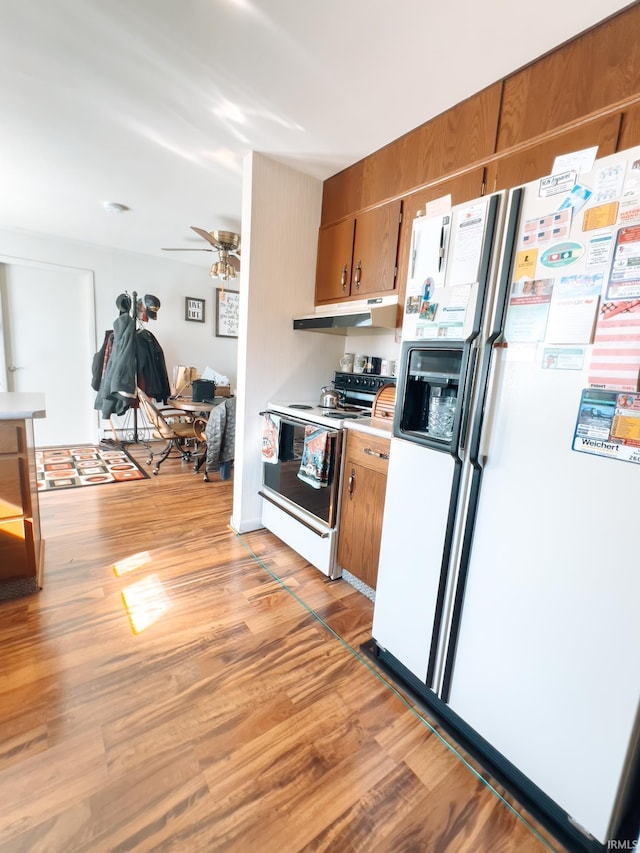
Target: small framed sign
point(194, 310)
point(227, 313)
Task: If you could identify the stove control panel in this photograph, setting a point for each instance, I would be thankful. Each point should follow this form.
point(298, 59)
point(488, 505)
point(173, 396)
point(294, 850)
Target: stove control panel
point(367, 383)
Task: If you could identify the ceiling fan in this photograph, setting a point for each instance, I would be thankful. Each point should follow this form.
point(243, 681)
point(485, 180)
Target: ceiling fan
point(226, 244)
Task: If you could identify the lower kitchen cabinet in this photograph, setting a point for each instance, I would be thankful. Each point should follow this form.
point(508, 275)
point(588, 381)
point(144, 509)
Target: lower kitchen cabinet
point(364, 481)
point(21, 545)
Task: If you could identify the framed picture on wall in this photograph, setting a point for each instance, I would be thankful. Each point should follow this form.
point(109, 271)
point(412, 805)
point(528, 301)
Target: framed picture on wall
point(194, 309)
point(227, 312)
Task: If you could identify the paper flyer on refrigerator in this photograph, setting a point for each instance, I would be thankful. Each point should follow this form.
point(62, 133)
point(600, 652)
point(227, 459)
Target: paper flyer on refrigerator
point(528, 310)
point(572, 313)
point(615, 355)
point(624, 277)
point(608, 424)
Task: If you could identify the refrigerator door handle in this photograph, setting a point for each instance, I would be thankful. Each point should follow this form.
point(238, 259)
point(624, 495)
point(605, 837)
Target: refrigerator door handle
point(484, 405)
point(466, 400)
point(484, 427)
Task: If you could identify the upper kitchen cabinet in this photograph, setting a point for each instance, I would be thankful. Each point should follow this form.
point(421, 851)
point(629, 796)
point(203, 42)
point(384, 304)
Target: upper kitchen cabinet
point(443, 145)
point(357, 257)
point(583, 77)
point(535, 161)
point(335, 253)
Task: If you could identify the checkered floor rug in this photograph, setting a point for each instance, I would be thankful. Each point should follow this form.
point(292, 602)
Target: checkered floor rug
point(70, 467)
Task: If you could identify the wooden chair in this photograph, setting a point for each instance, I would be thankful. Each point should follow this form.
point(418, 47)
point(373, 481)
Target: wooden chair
point(171, 425)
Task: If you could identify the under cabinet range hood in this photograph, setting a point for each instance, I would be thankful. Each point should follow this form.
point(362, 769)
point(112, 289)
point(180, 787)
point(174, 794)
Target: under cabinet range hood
point(366, 316)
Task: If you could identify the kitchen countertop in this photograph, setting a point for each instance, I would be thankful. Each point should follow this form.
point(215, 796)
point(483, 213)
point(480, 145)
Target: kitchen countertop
point(382, 427)
point(17, 405)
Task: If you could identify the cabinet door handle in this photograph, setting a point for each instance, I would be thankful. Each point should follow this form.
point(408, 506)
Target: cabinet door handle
point(343, 278)
point(371, 452)
point(358, 273)
point(352, 479)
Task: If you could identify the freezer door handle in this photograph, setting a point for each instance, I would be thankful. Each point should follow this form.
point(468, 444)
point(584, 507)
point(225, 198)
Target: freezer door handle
point(506, 270)
point(466, 401)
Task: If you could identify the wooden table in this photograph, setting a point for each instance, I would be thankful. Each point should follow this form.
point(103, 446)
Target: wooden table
point(186, 404)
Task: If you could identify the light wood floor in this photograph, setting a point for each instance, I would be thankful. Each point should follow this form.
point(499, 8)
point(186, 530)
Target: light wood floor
point(240, 719)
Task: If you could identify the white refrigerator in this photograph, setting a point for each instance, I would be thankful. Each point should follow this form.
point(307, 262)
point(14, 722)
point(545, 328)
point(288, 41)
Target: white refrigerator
point(509, 579)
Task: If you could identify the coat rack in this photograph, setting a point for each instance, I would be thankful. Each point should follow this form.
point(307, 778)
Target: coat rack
point(117, 371)
point(134, 314)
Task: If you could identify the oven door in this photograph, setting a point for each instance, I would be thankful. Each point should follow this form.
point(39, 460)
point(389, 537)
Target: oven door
point(296, 494)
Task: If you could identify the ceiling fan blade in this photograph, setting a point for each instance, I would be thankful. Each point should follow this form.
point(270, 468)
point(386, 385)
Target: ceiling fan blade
point(186, 250)
point(234, 262)
point(206, 236)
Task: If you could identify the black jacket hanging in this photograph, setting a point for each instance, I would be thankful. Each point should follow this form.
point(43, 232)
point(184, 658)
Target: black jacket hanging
point(118, 387)
point(152, 369)
point(101, 359)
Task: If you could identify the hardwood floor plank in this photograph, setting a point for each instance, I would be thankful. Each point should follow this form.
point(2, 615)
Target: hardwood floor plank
point(23, 735)
point(66, 773)
point(367, 821)
point(211, 698)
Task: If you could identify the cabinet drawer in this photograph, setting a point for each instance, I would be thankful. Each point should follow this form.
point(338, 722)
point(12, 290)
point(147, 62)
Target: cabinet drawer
point(368, 450)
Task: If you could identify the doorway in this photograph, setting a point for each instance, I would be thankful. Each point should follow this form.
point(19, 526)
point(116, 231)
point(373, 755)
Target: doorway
point(47, 341)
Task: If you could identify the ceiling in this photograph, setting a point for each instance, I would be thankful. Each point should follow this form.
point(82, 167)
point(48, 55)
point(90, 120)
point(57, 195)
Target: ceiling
point(154, 103)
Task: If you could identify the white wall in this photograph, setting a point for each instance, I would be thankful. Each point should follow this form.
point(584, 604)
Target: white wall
point(380, 345)
point(280, 220)
point(115, 272)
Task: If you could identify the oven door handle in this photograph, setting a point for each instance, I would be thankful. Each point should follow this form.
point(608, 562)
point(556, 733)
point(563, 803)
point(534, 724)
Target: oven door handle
point(293, 515)
point(287, 419)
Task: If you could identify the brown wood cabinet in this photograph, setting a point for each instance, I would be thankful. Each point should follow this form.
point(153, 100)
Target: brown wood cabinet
point(21, 547)
point(357, 257)
point(441, 146)
point(584, 93)
point(335, 254)
point(586, 75)
point(535, 161)
point(364, 482)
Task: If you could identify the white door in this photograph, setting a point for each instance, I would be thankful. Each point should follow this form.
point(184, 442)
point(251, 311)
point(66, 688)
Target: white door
point(48, 330)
